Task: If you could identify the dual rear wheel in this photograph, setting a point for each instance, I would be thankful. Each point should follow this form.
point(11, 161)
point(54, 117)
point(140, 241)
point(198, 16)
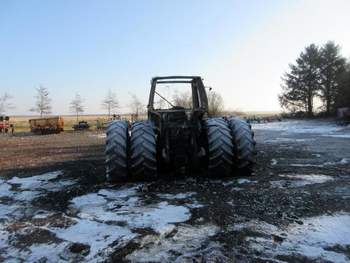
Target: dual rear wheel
point(133, 155)
point(231, 147)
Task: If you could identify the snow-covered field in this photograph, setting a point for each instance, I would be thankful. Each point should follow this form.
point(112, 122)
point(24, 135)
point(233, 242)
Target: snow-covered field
point(324, 128)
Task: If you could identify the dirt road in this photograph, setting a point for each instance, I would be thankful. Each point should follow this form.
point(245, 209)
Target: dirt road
point(55, 205)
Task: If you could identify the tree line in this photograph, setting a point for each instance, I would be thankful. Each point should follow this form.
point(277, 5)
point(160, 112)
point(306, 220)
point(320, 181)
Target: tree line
point(320, 74)
point(110, 103)
point(43, 103)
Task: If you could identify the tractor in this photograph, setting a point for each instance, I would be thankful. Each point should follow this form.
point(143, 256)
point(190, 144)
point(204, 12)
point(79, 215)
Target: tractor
point(81, 125)
point(178, 139)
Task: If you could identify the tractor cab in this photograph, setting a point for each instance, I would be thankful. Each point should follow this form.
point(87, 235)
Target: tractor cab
point(177, 99)
point(177, 105)
point(166, 93)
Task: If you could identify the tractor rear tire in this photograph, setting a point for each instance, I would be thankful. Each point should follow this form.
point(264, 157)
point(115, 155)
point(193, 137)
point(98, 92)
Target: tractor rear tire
point(143, 151)
point(117, 144)
point(220, 147)
point(244, 145)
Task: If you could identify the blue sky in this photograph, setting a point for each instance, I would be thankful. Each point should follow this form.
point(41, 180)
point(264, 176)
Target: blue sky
point(241, 48)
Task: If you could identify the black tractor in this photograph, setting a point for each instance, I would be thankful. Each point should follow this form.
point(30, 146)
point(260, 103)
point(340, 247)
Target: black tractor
point(81, 125)
point(178, 137)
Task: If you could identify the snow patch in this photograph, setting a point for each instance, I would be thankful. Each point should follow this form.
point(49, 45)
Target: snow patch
point(177, 196)
point(105, 220)
point(7, 210)
point(273, 162)
point(245, 181)
point(307, 165)
point(255, 225)
point(313, 239)
point(290, 127)
point(300, 180)
point(161, 216)
point(34, 182)
point(186, 241)
point(27, 189)
point(96, 234)
point(347, 136)
point(288, 140)
point(229, 183)
point(130, 210)
point(36, 253)
point(102, 135)
point(5, 190)
point(340, 162)
point(344, 161)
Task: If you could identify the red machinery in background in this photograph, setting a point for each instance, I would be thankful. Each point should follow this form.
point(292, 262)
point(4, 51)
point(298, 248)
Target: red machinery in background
point(5, 125)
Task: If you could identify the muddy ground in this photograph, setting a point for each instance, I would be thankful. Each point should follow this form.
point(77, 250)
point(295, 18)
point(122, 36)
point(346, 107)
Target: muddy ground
point(55, 205)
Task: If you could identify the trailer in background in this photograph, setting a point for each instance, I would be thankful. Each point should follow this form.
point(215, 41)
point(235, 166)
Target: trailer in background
point(46, 125)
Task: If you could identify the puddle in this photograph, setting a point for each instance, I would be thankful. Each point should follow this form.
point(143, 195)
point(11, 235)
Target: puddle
point(300, 180)
point(325, 238)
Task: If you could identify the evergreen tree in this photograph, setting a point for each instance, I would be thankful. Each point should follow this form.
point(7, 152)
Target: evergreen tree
point(343, 95)
point(302, 82)
point(332, 69)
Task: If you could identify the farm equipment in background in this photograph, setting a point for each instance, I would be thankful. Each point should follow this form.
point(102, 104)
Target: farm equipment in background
point(179, 139)
point(102, 124)
point(81, 125)
point(46, 125)
point(5, 125)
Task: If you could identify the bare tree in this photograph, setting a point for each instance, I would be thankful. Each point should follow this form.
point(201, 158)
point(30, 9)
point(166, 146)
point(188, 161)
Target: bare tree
point(182, 99)
point(5, 104)
point(43, 102)
point(76, 105)
point(215, 103)
point(136, 105)
point(110, 102)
